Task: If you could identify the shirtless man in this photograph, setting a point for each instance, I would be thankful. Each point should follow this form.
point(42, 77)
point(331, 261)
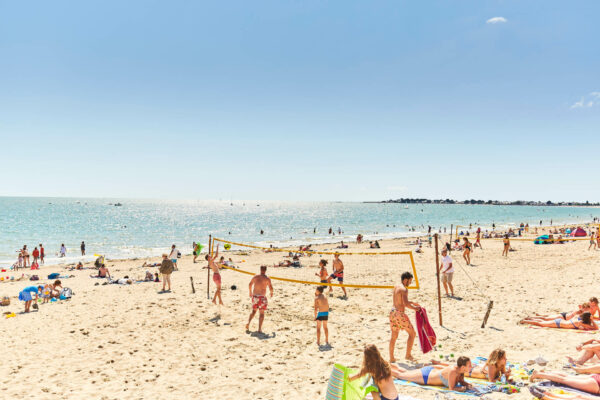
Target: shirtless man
point(338, 273)
point(216, 275)
point(398, 318)
point(258, 293)
point(102, 272)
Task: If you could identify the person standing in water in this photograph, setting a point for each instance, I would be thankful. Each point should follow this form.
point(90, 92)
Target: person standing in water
point(83, 248)
point(399, 321)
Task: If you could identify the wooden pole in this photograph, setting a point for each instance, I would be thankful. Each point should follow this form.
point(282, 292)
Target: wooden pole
point(451, 227)
point(208, 268)
point(487, 314)
point(192, 281)
point(437, 269)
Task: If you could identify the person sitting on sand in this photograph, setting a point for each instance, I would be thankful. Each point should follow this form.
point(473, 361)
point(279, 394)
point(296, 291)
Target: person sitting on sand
point(102, 272)
point(493, 369)
point(381, 371)
point(166, 269)
point(26, 296)
point(585, 383)
point(79, 265)
point(433, 375)
point(585, 307)
point(322, 274)
point(321, 314)
point(584, 323)
point(50, 290)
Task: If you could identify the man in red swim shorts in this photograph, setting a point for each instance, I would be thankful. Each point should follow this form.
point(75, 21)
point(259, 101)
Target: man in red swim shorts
point(258, 293)
point(216, 275)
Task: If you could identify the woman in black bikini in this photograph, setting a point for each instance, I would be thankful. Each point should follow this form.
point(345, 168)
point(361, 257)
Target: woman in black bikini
point(467, 252)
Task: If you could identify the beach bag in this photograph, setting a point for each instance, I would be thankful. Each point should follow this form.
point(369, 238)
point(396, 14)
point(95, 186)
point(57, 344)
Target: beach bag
point(65, 294)
point(54, 275)
point(34, 278)
point(5, 301)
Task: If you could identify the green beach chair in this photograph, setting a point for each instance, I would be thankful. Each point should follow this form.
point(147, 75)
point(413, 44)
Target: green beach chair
point(340, 388)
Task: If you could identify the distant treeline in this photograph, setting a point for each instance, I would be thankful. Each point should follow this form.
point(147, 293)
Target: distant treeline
point(488, 202)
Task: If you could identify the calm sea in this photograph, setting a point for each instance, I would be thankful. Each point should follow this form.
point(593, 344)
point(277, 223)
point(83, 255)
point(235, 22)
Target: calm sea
point(148, 227)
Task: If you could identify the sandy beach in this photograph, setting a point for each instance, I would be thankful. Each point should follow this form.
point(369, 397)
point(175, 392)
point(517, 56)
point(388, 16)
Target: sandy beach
point(130, 342)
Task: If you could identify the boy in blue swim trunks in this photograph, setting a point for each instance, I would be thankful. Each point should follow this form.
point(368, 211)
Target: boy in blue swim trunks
point(338, 273)
point(321, 314)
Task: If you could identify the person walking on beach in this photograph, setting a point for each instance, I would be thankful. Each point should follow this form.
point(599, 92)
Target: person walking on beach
point(399, 321)
point(506, 241)
point(338, 273)
point(592, 241)
point(173, 256)
point(478, 239)
point(258, 293)
point(42, 254)
point(467, 252)
point(63, 250)
point(216, 275)
point(321, 314)
point(166, 269)
point(447, 270)
point(83, 248)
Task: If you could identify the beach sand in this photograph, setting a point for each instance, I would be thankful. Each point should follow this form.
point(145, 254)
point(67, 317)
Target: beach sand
point(130, 342)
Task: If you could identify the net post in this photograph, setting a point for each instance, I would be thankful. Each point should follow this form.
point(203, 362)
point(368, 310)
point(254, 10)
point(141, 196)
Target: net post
point(437, 269)
point(208, 268)
point(451, 227)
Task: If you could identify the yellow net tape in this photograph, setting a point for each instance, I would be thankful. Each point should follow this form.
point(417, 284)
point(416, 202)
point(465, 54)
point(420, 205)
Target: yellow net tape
point(408, 253)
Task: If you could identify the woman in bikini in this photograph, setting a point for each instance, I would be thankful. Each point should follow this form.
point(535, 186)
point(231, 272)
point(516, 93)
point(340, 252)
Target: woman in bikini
point(381, 371)
point(585, 383)
point(592, 242)
point(467, 252)
point(438, 375)
point(493, 369)
point(323, 274)
point(506, 241)
point(584, 323)
point(585, 307)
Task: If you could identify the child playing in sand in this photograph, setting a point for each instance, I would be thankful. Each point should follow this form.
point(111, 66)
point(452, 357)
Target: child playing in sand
point(26, 296)
point(321, 314)
point(381, 372)
point(322, 274)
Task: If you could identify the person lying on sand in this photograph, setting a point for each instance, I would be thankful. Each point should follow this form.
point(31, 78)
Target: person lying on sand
point(585, 307)
point(493, 369)
point(381, 371)
point(585, 383)
point(590, 349)
point(547, 394)
point(438, 375)
point(584, 323)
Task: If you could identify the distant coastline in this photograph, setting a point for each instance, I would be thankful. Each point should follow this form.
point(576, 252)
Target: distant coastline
point(489, 202)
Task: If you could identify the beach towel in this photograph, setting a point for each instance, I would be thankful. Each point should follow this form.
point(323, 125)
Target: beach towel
point(339, 386)
point(54, 275)
point(539, 389)
point(427, 338)
point(477, 390)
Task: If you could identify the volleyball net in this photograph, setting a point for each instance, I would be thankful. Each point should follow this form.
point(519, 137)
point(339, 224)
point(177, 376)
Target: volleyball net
point(365, 270)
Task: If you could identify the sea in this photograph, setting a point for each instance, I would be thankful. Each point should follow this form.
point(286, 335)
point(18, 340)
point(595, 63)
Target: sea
point(142, 228)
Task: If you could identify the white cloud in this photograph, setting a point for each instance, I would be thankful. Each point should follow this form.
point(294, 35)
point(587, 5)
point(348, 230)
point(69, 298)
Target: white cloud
point(588, 102)
point(396, 188)
point(578, 104)
point(595, 94)
point(496, 20)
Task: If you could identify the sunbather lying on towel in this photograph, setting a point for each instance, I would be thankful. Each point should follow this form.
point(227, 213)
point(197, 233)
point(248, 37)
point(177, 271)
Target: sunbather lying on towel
point(381, 372)
point(547, 394)
point(584, 323)
point(493, 369)
point(585, 307)
point(586, 383)
point(439, 375)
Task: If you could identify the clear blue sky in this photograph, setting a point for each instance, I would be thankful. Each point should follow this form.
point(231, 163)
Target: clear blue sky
point(301, 100)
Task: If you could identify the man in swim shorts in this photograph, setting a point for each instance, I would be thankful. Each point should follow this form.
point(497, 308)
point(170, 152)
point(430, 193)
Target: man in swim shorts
point(216, 275)
point(338, 273)
point(321, 314)
point(447, 271)
point(258, 293)
point(399, 321)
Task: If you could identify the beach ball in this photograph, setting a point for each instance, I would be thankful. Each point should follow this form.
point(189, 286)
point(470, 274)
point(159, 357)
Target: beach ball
point(227, 246)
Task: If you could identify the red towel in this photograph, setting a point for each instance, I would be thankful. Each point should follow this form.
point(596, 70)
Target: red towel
point(427, 338)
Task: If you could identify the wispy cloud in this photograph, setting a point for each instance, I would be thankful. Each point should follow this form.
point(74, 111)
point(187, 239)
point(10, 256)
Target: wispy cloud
point(496, 20)
point(587, 101)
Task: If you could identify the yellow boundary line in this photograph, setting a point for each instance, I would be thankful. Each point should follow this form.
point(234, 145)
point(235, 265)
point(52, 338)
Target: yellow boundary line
point(409, 253)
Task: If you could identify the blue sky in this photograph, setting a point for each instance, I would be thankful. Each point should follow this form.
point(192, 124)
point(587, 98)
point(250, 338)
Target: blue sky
point(300, 100)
